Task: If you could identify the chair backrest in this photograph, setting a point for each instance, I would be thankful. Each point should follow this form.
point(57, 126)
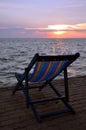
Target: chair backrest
point(48, 67)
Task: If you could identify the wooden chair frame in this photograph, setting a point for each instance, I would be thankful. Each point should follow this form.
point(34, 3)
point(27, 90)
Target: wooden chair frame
point(26, 87)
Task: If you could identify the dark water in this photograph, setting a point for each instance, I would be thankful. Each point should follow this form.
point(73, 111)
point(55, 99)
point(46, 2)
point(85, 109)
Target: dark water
point(15, 55)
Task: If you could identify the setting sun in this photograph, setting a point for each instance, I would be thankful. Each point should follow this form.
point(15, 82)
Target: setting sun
point(58, 29)
point(66, 30)
point(59, 32)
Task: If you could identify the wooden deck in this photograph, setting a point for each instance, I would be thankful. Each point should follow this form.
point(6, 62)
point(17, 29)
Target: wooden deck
point(15, 116)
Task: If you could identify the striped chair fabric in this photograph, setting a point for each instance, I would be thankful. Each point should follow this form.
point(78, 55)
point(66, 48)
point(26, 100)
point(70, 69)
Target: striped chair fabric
point(46, 70)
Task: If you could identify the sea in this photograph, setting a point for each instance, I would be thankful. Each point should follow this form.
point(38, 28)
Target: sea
point(16, 54)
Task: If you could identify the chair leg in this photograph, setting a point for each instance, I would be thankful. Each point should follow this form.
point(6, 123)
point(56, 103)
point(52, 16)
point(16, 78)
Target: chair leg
point(15, 89)
point(29, 101)
point(26, 93)
point(37, 116)
point(66, 85)
point(62, 99)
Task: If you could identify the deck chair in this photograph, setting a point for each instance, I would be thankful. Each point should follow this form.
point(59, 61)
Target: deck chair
point(45, 70)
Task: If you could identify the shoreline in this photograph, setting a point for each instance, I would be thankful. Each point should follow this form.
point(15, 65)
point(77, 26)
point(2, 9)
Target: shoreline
point(59, 79)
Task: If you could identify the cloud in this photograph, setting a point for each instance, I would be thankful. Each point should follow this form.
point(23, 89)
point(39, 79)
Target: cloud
point(59, 27)
point(20, 31)
point(64, 27)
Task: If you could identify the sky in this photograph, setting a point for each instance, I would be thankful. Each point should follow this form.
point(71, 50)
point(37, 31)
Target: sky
point(42, 18)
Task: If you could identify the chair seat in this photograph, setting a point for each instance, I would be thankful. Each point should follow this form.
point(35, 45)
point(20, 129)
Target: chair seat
point(19, 76)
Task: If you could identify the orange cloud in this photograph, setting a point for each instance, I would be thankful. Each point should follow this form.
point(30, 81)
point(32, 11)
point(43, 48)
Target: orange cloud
point(63, 30)
point(64, 27)
point(40, 28)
